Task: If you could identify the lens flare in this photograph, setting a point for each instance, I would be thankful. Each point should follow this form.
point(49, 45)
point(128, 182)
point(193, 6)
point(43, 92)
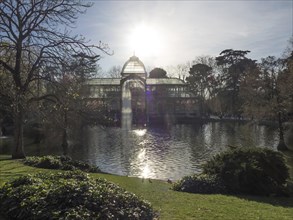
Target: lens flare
point(145, 40)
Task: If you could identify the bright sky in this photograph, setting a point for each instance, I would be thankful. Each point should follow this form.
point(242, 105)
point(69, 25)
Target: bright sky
point(164, 33)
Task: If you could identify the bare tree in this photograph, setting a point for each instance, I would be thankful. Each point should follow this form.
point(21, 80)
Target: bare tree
point(288, 50)
point(180, 70)
point(37, 33)
point(205, 59)
point(115, 72)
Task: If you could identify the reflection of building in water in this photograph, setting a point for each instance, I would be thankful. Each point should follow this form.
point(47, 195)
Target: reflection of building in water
point(136, 99)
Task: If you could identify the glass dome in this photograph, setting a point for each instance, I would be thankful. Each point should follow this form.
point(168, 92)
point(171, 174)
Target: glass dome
point(133, 66)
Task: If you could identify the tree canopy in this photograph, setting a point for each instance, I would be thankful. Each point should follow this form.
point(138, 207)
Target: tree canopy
point(235, 65)
point(158, 73)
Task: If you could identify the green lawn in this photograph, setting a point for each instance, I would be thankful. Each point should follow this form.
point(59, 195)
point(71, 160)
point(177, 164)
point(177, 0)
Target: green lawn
point(178, 205)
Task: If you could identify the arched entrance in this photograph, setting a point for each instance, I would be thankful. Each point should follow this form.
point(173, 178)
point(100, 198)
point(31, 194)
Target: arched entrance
point(133, 109)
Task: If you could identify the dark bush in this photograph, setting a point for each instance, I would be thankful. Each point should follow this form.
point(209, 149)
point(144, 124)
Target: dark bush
point(200, 184)
point(60, 162)
point(69, 195)
point(250, 170)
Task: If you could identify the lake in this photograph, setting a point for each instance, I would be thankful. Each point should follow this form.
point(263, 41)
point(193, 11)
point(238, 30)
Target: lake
point(161, 152)
point(166, 153)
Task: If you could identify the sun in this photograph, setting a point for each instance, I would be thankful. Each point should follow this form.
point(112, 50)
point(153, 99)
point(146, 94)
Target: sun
point(145, 40)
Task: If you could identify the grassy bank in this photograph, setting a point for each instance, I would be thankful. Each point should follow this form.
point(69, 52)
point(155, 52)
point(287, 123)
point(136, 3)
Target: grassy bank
point(178, 205)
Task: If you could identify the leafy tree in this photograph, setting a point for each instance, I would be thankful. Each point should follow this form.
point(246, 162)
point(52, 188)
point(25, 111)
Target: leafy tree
point(284, 97)
point(274, 80)
point(234, 65)
point(158, 73)
point(212, 100)
point(287, 88)
point(201, 81)
point(252, 94)
point(268, 93)
point(32, 30)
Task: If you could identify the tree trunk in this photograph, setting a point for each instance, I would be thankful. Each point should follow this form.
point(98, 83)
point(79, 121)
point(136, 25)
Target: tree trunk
point(64, 136)
point(201, 107)
point(18, 151)
point(281, 146)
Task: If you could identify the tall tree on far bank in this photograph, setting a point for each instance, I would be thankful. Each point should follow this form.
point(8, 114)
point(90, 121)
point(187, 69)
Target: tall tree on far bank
point(201, 81)
point(274, 78)
point(212, 100)
point(267, 92)
point(284, 97)
point(287, 88)
point(36, 32)
point(234, 65)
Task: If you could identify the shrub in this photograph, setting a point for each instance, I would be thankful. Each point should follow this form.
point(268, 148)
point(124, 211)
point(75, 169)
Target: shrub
point(200, 184)
point(60, 162)
point(250, 170)
point(69, 195)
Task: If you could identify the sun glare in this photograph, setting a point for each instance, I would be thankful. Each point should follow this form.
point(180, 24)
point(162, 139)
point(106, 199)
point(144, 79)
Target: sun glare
point(145, 40)
point(140, 132)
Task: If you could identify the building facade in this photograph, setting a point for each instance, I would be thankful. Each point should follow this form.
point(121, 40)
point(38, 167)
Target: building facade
point(135, 99)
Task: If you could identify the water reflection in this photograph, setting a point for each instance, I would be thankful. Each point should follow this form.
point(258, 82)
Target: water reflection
point(166, 153)
point(160, 152)
point(140, 132)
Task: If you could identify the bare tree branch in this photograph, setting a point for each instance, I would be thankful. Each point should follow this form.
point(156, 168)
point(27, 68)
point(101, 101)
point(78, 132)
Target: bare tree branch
point(34, 37)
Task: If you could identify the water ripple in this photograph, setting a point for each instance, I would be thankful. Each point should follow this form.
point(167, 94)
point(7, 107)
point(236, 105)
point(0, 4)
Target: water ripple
point(165, 153)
